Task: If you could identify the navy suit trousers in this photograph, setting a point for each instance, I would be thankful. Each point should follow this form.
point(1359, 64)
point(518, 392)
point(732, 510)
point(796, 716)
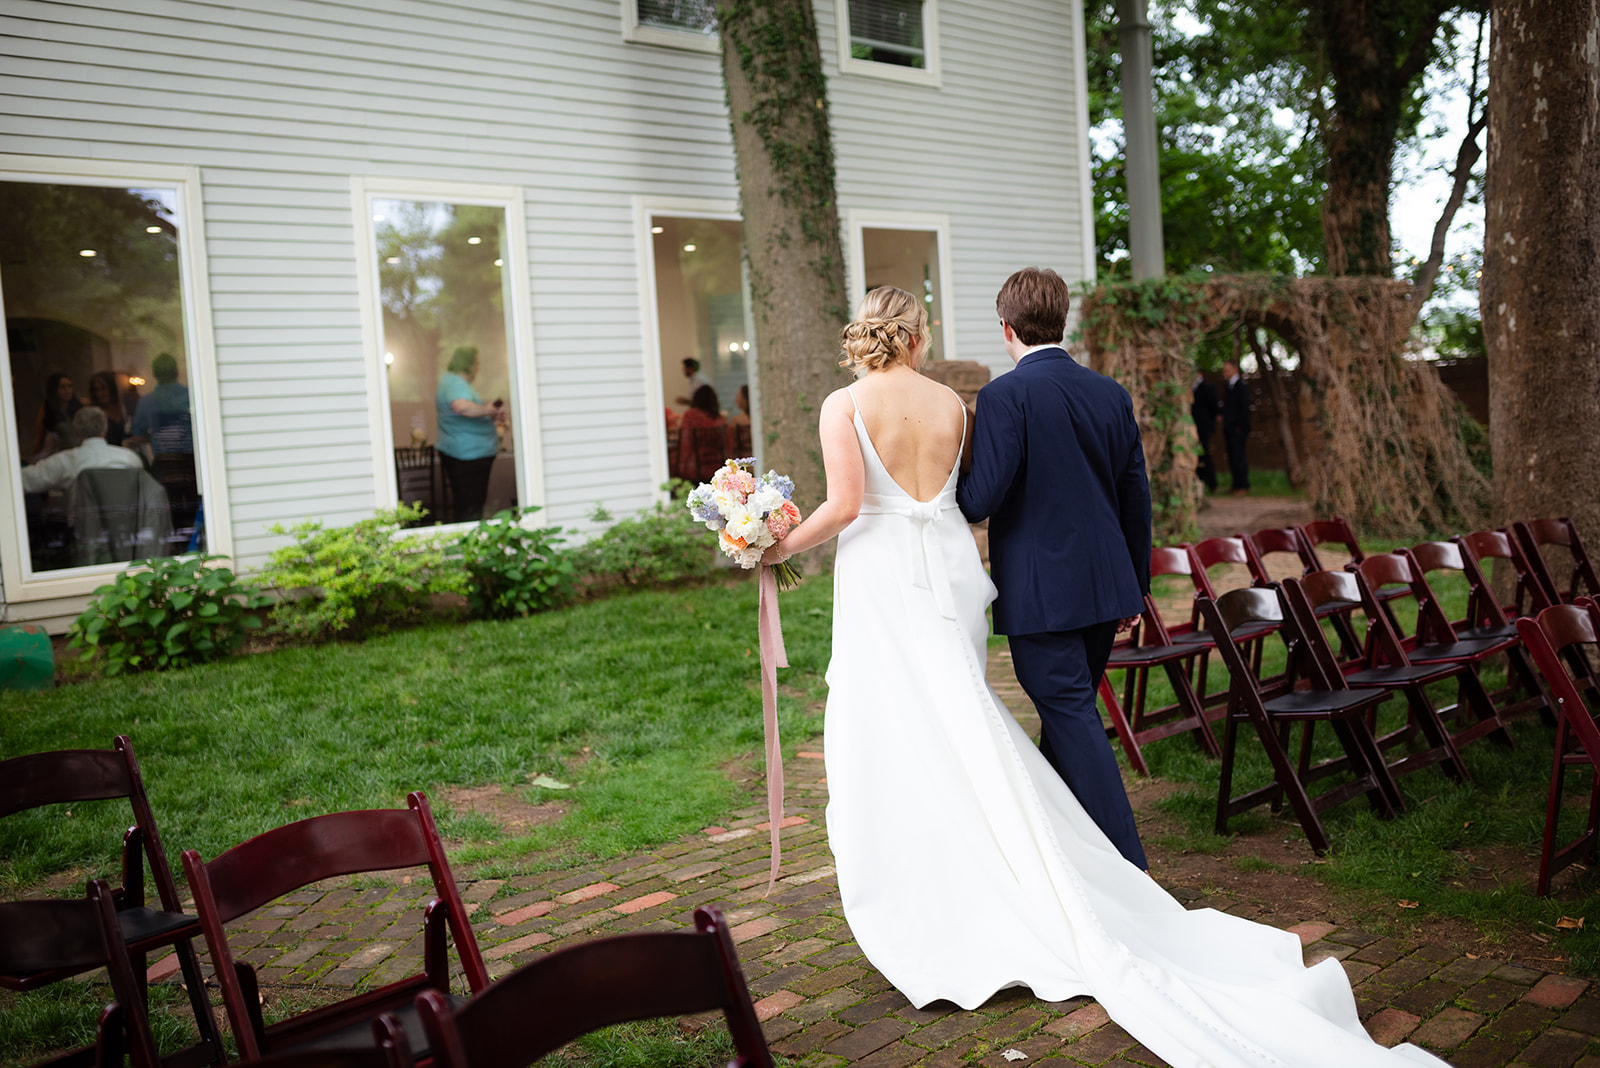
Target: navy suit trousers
point(1060, 672)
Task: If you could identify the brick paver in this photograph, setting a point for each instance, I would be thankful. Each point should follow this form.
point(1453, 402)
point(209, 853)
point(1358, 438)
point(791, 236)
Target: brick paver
point(821, 1002)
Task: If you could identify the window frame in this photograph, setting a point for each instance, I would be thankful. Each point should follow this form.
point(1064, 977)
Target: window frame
point(645, 209)
point(525, 432)
point(859, 219)
point(929, 74)
point(634, 32)
point(18, 582)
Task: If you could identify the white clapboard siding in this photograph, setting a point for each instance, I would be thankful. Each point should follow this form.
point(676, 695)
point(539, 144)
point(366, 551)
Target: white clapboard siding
point(279, 103)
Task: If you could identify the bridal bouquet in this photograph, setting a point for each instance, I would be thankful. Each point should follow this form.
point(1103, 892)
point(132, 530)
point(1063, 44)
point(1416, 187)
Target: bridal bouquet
point(749, 512)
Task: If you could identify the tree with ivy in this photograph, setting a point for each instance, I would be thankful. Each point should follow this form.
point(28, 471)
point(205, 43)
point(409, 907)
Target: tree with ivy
point(778, 108)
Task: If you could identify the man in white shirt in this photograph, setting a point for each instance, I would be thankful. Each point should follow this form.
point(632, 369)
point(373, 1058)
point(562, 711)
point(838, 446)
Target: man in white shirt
point(60, 470)
point(691, 371)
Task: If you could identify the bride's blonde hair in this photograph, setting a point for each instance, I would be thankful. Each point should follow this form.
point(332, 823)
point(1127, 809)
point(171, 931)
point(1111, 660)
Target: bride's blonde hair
point(887, 325)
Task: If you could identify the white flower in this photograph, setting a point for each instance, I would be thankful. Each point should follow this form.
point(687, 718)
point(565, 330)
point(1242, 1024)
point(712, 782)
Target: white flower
point(741, 524)
point(765, 499)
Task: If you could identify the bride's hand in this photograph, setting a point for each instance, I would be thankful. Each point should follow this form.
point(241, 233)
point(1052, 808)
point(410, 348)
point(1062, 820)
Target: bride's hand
point(775, 554)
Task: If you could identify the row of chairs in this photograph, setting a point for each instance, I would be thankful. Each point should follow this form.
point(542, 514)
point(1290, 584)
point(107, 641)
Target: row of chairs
point(1344, 685)
point(506, 1024)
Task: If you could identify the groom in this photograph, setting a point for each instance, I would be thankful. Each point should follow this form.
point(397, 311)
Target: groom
point(1058, 470)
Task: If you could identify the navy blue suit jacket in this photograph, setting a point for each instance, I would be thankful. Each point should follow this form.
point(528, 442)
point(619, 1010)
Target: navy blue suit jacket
point(1058, 470)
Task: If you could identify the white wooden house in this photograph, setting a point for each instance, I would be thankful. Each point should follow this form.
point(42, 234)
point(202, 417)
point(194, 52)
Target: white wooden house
point(309, 204)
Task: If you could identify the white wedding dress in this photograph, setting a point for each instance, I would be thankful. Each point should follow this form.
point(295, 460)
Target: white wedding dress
point(967, 866)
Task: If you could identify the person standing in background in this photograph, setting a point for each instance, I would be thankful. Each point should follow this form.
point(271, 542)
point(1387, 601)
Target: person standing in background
point(1236, 426)
point(468, 440)
point(1203, 410)
point(697, 380)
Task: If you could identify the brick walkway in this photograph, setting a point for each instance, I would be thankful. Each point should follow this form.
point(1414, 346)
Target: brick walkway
point(822, 1002)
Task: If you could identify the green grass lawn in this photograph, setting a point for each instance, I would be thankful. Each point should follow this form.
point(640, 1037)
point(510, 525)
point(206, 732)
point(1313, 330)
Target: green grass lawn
point(637, 701)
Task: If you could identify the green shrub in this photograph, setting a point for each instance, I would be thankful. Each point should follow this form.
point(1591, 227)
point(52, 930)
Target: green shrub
point(512, 569)
point(172, 613)
point(659, 546)
point(358, 579)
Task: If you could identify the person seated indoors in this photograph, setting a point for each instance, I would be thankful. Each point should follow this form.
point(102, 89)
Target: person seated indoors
point(702, 437)
point(163, 418)
point(60, 470)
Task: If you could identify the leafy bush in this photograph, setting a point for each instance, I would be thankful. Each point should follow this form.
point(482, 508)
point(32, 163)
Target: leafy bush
point(170, 614)
point(514, 570)
point(661, 545)
point(358, 579)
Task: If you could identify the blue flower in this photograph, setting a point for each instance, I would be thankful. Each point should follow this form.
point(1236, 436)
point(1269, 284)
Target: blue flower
point(782, 483)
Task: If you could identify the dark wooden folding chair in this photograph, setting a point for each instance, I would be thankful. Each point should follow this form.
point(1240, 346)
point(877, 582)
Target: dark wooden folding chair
point(49, 936)
point(74, 776)
point(1292, 541)
point(1235, 550)
point(1335, 531)
point(1383, 667)
point(544, 1005)
point(1485, 618)
point(1530, 597)
point(1535, 535)
point(1434, 642)
point(389, 1050)
point(1561, 640)
point(1345, 711)
point(288, 858)
point(1152, 645)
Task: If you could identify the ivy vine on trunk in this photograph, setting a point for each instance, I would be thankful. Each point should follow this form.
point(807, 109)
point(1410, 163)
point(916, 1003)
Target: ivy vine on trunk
point(778, 109)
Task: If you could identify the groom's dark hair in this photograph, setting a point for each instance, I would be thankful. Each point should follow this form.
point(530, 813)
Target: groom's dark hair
point(1035, 301)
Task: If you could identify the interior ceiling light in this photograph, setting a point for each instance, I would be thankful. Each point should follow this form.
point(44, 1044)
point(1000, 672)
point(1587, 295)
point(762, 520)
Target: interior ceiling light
point(658, 229)
point(733, 346)
point(388, 357)
point(392, 259)
point(499, 263)
point(135, 380)
point(747, 346)
point(152, 229)
point(87, 253)
point(686, 248)
point(474, 240)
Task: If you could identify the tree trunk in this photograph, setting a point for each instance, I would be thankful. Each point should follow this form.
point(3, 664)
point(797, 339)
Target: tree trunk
point(1375, 52)
point(1540, 291)
point(778, 108)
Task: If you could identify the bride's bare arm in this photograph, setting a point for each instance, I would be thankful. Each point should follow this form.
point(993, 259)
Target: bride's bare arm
point(847, 475)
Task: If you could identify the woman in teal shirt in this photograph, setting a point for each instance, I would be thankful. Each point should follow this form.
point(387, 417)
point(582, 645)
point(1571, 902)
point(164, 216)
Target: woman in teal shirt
point(467, 438)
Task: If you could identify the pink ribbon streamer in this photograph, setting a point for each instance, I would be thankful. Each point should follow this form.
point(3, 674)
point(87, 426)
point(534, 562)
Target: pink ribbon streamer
point(773, 657)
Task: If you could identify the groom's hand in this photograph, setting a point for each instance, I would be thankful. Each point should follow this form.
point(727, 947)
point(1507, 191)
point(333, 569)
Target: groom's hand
point(1125, 625)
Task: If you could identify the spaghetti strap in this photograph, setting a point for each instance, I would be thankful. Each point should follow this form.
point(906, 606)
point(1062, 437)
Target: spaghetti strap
point(851, 389)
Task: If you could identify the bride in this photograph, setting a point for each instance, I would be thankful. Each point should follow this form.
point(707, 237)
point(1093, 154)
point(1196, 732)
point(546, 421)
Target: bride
point(965, 864)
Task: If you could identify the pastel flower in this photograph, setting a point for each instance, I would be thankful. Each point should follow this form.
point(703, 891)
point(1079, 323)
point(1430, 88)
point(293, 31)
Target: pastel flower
point(778, 523)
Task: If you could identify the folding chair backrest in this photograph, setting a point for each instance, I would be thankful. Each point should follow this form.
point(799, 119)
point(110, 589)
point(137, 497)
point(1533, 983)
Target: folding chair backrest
point(54, 934)
point(1335, 531)
point(546, 1004)
point(1551, 637)
point(1535, 534)
point(68, 776)
point(1304, 629)
point(1235, 550)
point(1284, 540)
point(1484, 545)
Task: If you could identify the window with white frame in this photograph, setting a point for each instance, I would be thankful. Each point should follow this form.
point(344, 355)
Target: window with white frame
point(911, 252)
point(445, 298)
point(889, 38)
point(104, 415)
point(673, 23)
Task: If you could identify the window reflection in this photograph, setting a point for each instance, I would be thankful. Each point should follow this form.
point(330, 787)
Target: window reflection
point(908, 259)
point(704, 349)
point(99, 366)
point(445, 343)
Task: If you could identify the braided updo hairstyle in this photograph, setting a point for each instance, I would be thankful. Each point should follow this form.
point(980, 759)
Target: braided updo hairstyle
point(887, 325)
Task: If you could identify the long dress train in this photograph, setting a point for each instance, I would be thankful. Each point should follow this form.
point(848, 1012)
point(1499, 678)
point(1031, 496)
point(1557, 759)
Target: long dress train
point(966, 865)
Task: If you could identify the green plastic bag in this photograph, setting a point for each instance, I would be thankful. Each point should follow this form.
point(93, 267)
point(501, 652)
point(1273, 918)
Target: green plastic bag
point(26, 662)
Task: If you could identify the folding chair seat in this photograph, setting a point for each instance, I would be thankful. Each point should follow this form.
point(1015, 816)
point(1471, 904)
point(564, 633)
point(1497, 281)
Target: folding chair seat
point(1152, 645)
point(1534, 535)
point(544, 1005)
point(1273, 719)
point(1337, 531)
point(389, 1050)
point(1435, 642)
point(73, 776)
point(1530, 597)
point(1383, 667)
point(291, 857)
point(1558, 639)
point(1485, 619)
point(47, 936)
